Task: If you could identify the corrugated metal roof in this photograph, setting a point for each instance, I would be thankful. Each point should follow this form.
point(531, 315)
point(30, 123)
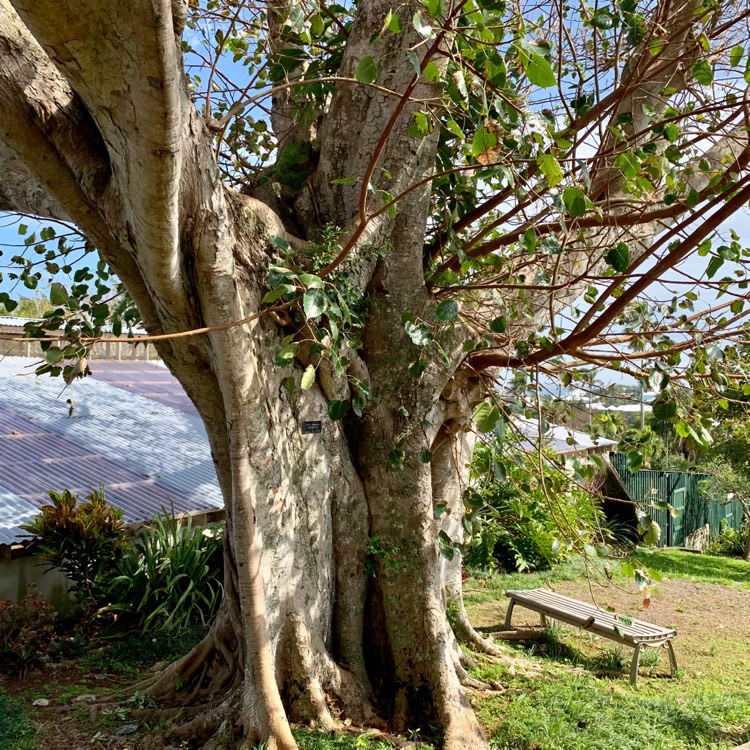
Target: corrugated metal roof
point(561, 439)
point(133, 430)
point(11, 321)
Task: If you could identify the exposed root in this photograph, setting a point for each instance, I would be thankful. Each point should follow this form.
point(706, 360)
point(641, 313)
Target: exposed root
point(210, 669)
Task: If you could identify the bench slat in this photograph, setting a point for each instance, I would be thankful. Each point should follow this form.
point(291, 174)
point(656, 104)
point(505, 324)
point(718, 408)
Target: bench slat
point(596, 620)
point(577, 613)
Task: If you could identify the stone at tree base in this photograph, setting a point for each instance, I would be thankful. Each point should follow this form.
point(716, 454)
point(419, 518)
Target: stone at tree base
point(85, 698)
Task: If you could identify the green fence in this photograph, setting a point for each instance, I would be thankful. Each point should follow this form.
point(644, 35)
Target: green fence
point(680, 490)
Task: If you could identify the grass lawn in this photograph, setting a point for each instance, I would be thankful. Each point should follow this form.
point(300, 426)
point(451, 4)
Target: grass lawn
point(583, 700)
point(579, 698)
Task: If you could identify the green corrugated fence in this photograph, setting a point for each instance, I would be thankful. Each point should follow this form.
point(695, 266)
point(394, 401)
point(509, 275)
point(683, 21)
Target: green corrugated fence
point(680, 490)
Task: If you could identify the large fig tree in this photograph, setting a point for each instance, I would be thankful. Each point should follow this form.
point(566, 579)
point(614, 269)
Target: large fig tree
point(353, 214)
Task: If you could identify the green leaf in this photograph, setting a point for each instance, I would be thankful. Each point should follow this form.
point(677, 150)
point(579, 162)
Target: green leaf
point(366, 70)
point(714, 265)
point(575, 201)
point(393, 23)
point(486, 416)
point(603, 20)
point(539, 71)
point(499, 325)
point(618, 257)
point(653, 534)
point(432, 72)
point(435, 8)
point(671, 132)
point(703, 72)
point(285, 356)
point(483, 141)
point(311, 281)
point(425, 456)
point(735, 56)
point(58, 295)
point(664, 409)
point(550, 168)
point(337, 410)
point(417, 367)
point(418, 333)
point(453, 126)
point(422, 28)
point(277, 292)
point(411, 56)
point(53, 355)
point(314, 303)
point(344, 181)
point(529, 240)
point(737, 306)
point(628, 163)
point(308, 378)
point(396, 458)
point(447, 311)
point(634, 460)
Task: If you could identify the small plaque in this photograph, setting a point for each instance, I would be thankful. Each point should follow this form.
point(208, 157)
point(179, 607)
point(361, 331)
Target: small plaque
point(312, 425)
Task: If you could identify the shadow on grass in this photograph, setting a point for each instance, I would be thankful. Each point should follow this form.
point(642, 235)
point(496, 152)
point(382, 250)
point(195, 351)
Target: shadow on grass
point(609, 661)
point(699, 567)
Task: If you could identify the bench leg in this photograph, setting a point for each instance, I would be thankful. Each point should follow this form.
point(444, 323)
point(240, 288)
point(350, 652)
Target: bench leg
point(543, 619)
point(509, 615)
point(672, 658)
point(634, 664)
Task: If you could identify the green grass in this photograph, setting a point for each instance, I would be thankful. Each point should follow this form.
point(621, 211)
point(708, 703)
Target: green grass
point(567, 711)
point(583, 700)
point(16, 731)
point(493, 584)
point(703, 568)
point(133, 654)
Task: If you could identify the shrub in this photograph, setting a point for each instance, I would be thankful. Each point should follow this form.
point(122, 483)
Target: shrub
point(27, 633)
point(729, 542)
point(170, 576)
point(516, 520)
point(84, 540)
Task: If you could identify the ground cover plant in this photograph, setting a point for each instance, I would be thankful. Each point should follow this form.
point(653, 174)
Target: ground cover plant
point(567, 690)
point(583, 700)
point(16, 730)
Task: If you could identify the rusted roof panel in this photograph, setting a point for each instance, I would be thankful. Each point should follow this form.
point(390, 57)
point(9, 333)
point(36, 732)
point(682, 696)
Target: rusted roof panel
point(132, 430)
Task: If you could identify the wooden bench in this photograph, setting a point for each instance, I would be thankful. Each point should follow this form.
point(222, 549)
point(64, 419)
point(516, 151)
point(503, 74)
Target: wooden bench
point(626, 630)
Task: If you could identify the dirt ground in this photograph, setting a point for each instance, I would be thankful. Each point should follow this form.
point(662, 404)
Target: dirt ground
point(691, 608)
point(76, 717)
point(709, 619)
